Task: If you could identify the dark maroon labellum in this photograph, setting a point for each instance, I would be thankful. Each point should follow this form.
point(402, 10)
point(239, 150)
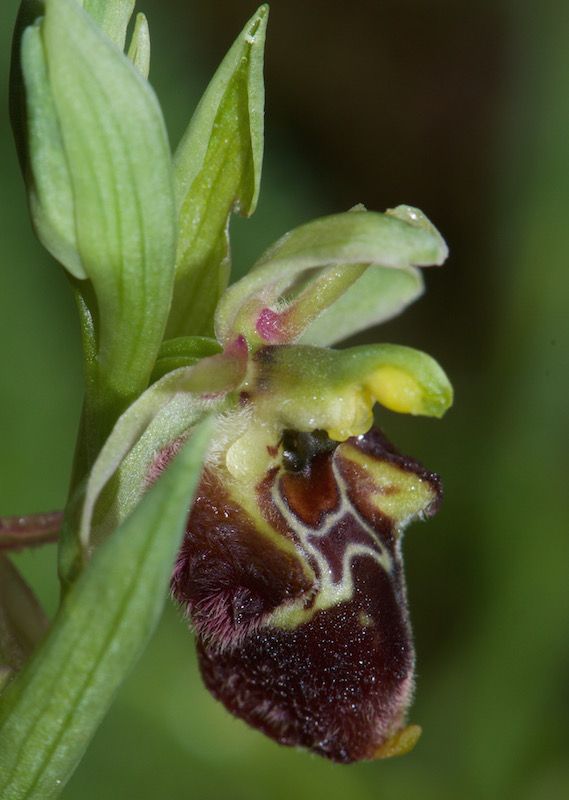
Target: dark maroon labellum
point(298, 599)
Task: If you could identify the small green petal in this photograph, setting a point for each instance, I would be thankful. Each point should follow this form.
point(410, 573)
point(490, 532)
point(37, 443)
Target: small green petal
point(217, 171)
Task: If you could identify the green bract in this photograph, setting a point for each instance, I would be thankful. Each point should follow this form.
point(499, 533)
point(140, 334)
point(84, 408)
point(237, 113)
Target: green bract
point(144, 238)
point(217, 170)
point(49, 713)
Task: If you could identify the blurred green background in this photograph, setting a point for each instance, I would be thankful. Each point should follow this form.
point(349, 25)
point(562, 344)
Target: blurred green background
point(461, 109)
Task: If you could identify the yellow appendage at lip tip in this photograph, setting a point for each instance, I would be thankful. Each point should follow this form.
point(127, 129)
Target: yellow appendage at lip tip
point(400, 743)
point(397, 390)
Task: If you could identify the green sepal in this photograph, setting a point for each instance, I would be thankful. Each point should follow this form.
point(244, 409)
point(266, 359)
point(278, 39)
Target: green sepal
point(309, 269)
point(183, 352)
point(117, 150)
point(49, 713)
point(23, 622)
point(377, 296)
point(217, 170)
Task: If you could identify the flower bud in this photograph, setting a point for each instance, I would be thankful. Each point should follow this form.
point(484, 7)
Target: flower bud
point(97, 163)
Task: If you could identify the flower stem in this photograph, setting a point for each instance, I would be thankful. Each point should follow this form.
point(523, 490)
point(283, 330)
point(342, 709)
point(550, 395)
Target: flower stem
point(31, 530)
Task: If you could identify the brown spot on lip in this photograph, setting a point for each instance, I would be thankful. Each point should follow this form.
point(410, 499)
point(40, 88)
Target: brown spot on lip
point(311, 495)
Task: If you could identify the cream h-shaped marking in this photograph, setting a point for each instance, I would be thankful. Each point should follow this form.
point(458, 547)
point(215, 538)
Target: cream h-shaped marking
point(332, 593)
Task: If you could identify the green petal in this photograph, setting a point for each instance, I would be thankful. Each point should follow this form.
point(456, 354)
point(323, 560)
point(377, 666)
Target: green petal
point(51, 710)
point(218, 171)
point(310, 269)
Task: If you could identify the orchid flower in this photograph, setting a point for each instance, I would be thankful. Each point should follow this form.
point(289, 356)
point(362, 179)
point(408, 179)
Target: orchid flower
point(290, 571)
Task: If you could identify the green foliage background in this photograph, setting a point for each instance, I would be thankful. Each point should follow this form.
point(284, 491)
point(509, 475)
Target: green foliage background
point(463, 110)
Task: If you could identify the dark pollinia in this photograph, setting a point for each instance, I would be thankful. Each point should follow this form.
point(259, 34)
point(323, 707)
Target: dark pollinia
point(296, 591)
